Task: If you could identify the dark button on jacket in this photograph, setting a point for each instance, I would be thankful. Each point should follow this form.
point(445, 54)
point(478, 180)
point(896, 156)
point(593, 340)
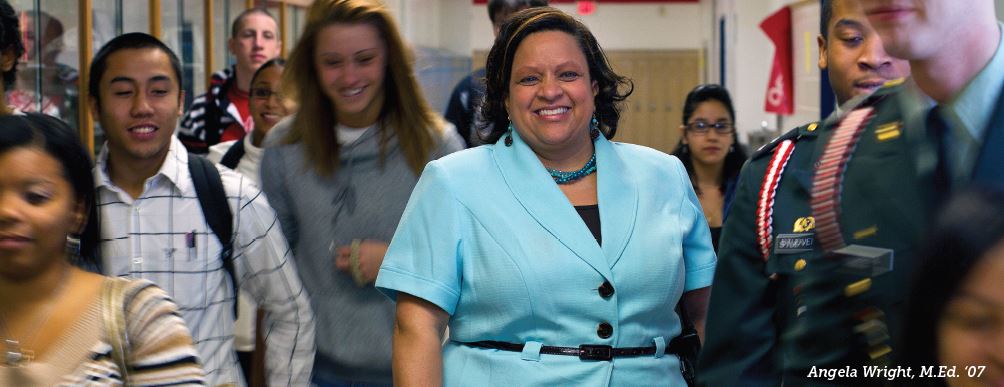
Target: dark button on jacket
point(606, 289)
point(604, 330)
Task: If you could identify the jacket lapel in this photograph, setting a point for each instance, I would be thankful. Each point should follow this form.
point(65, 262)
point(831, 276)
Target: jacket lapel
point(537, 193)
point(618, 197)
point(989, 168)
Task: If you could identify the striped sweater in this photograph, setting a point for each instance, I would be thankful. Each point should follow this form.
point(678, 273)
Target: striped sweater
point(160, 348)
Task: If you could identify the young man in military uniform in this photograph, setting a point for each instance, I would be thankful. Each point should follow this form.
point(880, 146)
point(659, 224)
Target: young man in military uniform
point(768, 238)
point(888, 162)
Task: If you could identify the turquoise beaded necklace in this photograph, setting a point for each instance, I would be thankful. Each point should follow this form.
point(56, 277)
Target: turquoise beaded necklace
point(562, 177)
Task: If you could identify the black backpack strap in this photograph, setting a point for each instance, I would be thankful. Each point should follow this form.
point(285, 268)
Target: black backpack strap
point(213, 199)
point(233, 155)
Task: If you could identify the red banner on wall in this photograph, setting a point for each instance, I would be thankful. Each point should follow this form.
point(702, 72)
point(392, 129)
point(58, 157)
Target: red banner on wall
point(780, 89)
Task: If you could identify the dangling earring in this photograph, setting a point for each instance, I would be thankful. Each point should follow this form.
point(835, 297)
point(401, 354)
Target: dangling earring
point(685, 148)
point(508, 135)
point(73, 246)
point(594, 128)
point(732, 148)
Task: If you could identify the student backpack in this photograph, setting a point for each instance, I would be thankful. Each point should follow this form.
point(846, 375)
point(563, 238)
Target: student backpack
point(234, 154)
point(213, 200)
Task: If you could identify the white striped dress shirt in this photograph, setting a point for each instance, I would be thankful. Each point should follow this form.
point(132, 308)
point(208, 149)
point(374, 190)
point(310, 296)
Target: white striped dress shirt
point(162, 236)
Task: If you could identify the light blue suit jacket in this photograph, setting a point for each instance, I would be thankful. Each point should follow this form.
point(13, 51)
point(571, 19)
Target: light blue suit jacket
point(489, 237)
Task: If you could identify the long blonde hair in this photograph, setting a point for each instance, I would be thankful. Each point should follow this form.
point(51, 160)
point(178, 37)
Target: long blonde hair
point(404, 108)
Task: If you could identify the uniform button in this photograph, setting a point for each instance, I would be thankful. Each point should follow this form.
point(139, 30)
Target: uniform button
point(606, 290)
point(800, 265)
point(605, 330)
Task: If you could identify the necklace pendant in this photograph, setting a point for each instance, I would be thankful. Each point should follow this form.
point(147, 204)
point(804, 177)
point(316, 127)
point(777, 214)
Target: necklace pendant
point(13, 356)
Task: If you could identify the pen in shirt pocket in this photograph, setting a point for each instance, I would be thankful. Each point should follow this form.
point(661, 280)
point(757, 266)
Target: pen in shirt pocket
point(190, 243)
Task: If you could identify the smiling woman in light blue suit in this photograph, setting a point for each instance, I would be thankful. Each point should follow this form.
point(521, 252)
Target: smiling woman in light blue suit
point(555, 256)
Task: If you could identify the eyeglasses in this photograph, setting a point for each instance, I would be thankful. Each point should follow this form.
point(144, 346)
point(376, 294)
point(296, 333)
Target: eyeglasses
point(263, 93)
point(702, 127)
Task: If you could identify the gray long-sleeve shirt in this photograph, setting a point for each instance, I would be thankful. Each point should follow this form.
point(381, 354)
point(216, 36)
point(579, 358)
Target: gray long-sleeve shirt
point(361, 201)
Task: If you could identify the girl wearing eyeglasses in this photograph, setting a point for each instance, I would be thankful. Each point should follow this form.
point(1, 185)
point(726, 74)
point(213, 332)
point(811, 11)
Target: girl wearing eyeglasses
point(710, 150)
point(267, 106)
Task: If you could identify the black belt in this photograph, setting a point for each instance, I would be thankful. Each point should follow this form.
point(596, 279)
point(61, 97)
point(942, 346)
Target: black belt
point(584, 352)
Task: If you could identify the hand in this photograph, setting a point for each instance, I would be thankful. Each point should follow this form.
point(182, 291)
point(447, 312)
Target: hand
point(371, 254)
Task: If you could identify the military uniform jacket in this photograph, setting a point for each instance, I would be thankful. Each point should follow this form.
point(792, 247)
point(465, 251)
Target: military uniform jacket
point(751, 301)
point(889, 189)
point(886, 199)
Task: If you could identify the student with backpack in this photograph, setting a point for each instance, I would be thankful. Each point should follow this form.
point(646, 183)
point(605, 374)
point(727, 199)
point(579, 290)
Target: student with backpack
point(164, 218)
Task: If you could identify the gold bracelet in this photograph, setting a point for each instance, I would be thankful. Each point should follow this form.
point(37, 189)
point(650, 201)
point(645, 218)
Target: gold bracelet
point(357, 273)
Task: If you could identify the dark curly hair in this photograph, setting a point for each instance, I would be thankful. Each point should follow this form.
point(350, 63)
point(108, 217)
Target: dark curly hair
point(613, 88)
point(736, 157)
point(10, 39)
